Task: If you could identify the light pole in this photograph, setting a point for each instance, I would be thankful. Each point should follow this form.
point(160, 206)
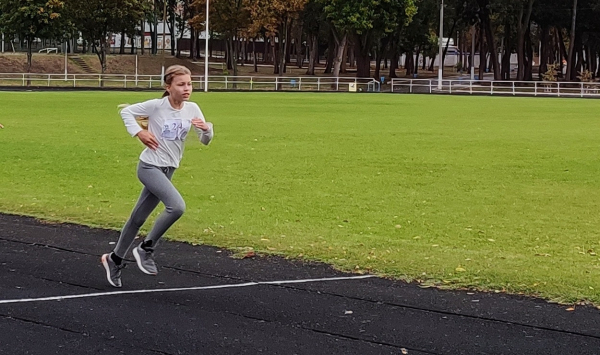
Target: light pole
point(472, 56)
point(164, 24)
point(441, 65)
point(206, 27)
point(66, 59)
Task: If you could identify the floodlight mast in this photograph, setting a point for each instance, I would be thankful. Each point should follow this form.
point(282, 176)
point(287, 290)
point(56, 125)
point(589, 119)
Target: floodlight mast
point(441, 36)
point(206, 49)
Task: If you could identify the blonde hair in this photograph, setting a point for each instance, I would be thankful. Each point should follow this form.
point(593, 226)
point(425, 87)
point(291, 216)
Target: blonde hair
point(172, 72)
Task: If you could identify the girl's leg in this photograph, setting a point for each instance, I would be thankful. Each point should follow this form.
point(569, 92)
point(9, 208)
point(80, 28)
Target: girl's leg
point(146, 203)
point(158, 182)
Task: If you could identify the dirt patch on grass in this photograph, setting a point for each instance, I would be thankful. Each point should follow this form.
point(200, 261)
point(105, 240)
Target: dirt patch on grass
point(116, 64)
point(149, 65)
point(146, 65)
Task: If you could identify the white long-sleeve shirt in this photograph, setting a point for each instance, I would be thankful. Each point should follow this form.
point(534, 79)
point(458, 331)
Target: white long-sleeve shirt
point(170, 127)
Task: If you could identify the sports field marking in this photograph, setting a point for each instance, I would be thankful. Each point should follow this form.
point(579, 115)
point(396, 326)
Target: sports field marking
point(198, 288)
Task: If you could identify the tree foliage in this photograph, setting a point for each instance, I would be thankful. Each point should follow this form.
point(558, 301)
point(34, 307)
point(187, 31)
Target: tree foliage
point(32, 19)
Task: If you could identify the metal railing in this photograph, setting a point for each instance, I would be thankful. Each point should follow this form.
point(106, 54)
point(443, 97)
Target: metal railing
point(241, 83)
point(477, 87)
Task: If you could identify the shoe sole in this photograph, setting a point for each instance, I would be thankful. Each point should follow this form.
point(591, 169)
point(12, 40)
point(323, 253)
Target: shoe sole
point(138, 261)
point(107, 268)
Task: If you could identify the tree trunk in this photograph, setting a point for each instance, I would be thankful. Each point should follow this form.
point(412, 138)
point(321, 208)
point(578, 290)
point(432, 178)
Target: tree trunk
point(276, 55)
point(330, 53)
point(254, 55)
point(235, 56)
point(101, 53)
point(580, 61)
point(122, 46)
point(363, 60)
point(345, 59)
point(544, 39)
point(198, 44)
point(482, 54)
point(528, 75)
point(416, 63)
point(313, 43)
point(378, 58)
point(592, 62)
point(173, 44)
point(192, 43)
point(492, 48)
point(522, 30)
point(143, 27)
point(431, 65)
point(283, 45)
point(505, 67)
point(29, 55)
point(299, 55)
point(408, 63)
point(288, 47)
point(472, 50)
point(571, 58)
point(394, 64)
point(340, 49)
point(351, 57)
point(445, 47)
point(154, 33)
point(228, 53)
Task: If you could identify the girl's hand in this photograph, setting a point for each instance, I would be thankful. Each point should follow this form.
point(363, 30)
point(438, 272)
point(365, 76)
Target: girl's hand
point(148, 139)
point(198, 123)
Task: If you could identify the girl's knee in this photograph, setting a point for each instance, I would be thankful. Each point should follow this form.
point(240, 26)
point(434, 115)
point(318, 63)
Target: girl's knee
point(177, 209)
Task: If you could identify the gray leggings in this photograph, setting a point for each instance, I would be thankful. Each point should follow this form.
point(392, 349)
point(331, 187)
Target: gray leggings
point(157, 188)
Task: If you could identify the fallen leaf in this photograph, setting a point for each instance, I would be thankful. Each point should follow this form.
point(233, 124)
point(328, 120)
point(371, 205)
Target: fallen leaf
point(460, 269)
point(570, 309)
point(404, 351)
point(249, 254)
point(348, 312)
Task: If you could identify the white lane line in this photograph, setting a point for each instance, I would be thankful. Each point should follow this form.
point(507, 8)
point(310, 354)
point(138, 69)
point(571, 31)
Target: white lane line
point(179, 289)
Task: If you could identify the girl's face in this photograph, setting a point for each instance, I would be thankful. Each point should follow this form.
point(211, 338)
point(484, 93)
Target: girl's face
point(180, 88)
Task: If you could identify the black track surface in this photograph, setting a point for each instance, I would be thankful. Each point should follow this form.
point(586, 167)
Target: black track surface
point(366, 316)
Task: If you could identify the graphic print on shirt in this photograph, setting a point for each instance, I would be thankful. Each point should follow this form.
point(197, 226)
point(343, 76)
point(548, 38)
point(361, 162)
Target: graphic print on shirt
point(174, 129)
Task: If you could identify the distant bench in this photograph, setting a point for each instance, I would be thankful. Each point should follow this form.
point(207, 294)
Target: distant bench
point(48, 50)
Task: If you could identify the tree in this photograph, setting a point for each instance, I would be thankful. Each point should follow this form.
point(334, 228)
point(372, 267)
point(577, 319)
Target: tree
point(314, 22)
point(228, 18)
point(277, 17)
point(96, 19)
point(32, 19)
point(523, 22)
point(571, 59)
point(364, 22)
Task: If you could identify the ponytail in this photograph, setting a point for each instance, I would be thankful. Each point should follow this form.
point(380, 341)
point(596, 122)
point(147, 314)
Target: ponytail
point(165, 94)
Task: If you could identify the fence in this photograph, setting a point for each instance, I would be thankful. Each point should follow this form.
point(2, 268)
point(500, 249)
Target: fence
point(521, 88)
point(242, 83)
point(330, 84)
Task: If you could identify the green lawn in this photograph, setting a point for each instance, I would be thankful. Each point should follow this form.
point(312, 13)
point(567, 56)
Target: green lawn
point(494, 193)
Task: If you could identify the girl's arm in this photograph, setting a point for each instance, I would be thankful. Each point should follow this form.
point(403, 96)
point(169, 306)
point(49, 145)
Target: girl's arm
point(203, 129)
point(129, 113)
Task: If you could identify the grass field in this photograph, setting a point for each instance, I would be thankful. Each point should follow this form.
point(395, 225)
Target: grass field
point(491, 193)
